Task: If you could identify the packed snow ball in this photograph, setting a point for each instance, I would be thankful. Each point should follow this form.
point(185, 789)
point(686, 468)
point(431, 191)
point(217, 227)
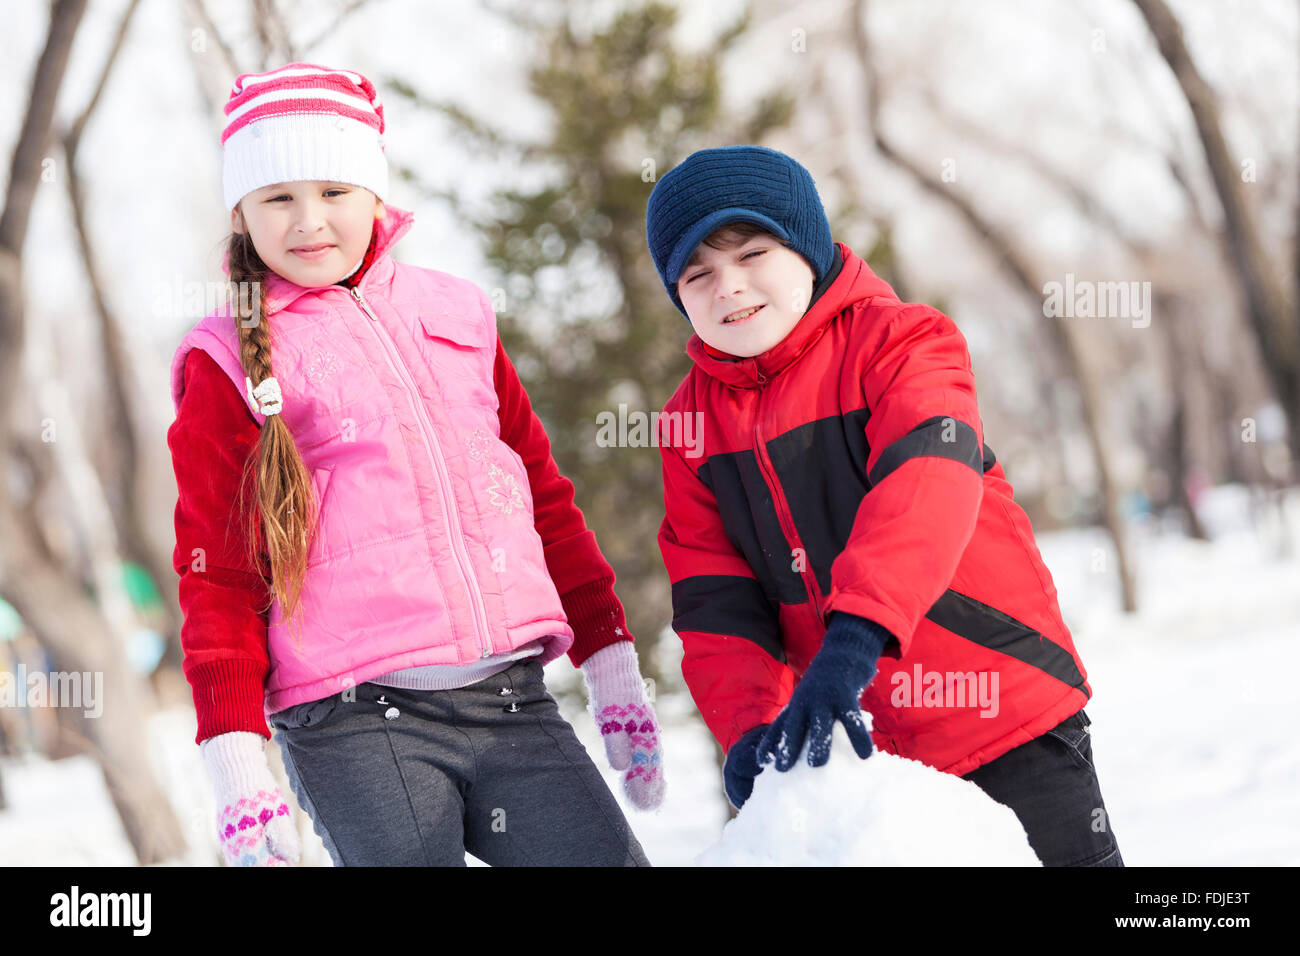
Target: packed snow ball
point(882, 811)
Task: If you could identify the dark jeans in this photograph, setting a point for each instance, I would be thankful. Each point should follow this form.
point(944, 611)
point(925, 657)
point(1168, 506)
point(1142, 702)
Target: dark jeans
point(1052, 786)
point(491, 768)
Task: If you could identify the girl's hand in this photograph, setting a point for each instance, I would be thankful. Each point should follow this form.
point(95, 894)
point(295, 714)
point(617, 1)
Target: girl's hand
point(627, 722)
point(254, 823)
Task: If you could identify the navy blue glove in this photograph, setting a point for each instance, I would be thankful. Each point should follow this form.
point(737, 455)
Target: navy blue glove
point(741, 768)
point(829, 691)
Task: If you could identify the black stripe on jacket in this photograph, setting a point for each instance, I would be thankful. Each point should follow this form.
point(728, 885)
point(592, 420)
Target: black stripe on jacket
point(727, 604)
point(988, 627)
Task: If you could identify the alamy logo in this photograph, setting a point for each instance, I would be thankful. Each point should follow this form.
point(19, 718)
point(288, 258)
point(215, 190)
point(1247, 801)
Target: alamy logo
point(639, 429)
point(922, 688)
point(53, 689)
point(1085, 299)
point(102, 909)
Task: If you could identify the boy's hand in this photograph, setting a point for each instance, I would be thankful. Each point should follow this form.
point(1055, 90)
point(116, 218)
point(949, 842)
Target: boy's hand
point(742, 767)
point(829, 691)
point(627, 722)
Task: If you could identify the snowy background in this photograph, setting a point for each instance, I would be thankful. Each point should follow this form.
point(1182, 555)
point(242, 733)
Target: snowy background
point(1197, 763)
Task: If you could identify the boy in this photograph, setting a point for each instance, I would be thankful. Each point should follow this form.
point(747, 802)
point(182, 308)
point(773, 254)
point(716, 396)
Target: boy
point(846, 521)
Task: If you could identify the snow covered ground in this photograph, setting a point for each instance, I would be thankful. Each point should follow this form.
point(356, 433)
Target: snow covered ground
point(1191, 735)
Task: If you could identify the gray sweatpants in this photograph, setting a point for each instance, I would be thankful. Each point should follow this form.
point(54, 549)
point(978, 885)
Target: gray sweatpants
point(491, 768)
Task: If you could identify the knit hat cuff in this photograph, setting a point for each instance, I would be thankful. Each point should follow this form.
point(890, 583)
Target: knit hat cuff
point(303, 147)
point(681, 253)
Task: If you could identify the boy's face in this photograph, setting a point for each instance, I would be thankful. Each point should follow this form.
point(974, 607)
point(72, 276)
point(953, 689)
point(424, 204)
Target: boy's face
point(311, 233)
point(746, 297)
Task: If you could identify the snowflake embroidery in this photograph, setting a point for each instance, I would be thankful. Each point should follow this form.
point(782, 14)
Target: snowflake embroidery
point(503, 492)
point(323, 364)
point(480, 442)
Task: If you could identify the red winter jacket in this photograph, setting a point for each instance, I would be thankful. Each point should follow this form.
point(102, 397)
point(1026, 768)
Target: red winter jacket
point(845, 470)
point(225, 635)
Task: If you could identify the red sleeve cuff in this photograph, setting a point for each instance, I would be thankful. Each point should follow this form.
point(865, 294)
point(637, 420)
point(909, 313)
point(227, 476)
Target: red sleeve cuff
point(228, 696)
point(597, 619)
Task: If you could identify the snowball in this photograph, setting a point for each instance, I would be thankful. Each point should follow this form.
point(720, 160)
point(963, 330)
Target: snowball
point(882, 811)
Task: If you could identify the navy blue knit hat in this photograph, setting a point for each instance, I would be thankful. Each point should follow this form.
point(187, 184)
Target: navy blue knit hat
point(714, 187)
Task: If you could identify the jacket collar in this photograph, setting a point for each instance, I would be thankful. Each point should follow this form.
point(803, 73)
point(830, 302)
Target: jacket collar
point(279, 292)
point(855, 283)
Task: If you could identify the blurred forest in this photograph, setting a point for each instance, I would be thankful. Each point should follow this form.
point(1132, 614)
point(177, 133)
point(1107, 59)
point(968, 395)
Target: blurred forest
point(978, 155)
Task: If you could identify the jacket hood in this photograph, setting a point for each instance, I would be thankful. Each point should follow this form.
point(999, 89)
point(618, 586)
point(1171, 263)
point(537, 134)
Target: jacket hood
point(855, 283)
point(279, 291)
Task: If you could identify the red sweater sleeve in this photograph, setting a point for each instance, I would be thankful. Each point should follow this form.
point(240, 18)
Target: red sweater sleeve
point(221, 595)
point(581, 574)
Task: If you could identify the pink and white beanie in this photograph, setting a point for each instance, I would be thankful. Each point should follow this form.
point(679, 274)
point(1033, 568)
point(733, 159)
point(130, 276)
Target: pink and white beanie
point(302, 122)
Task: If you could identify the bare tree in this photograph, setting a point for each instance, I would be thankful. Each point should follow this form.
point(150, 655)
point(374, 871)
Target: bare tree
point(1275, 323)
point(1018, 267)
point(24, 176)
point(124, 474)
point(1183, 350)
point(37, 574)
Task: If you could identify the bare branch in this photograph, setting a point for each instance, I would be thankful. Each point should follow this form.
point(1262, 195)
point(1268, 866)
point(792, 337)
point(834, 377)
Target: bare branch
point(343, 14)
point(1083, 200)
point(72, 138)
point(200, 13)
point(1272, 321)
point(25, 170)
point(24, 176)
point(266, 44)
point(275, 16)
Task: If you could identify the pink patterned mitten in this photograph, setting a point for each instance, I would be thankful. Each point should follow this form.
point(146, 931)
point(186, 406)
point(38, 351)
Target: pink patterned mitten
point(254, 823)
point(627, 722)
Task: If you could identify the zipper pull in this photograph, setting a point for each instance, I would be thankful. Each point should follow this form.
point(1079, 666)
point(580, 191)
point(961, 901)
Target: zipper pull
point(356, 294)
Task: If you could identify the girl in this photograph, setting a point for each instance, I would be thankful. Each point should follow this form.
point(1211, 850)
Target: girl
point(375, 546)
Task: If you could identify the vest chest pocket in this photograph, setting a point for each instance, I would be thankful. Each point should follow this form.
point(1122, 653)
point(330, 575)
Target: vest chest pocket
point(459, 350)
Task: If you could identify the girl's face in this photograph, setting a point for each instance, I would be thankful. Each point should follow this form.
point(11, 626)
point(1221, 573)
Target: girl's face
point(312, 233)
point(745, 298)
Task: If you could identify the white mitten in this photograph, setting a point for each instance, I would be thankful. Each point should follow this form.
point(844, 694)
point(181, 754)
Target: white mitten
point(627, 722)
point(254, 824)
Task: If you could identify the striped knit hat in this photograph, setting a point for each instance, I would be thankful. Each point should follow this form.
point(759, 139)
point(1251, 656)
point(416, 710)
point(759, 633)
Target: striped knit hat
point(302, 122)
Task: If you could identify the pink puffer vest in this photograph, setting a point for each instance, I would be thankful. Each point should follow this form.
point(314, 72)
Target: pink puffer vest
point(426, 551)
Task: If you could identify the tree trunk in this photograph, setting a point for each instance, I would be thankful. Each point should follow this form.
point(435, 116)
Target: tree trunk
point(1184, 366)
point(66, 621)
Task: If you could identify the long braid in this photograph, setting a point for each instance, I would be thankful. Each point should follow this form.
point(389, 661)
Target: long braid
point(285, 501)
